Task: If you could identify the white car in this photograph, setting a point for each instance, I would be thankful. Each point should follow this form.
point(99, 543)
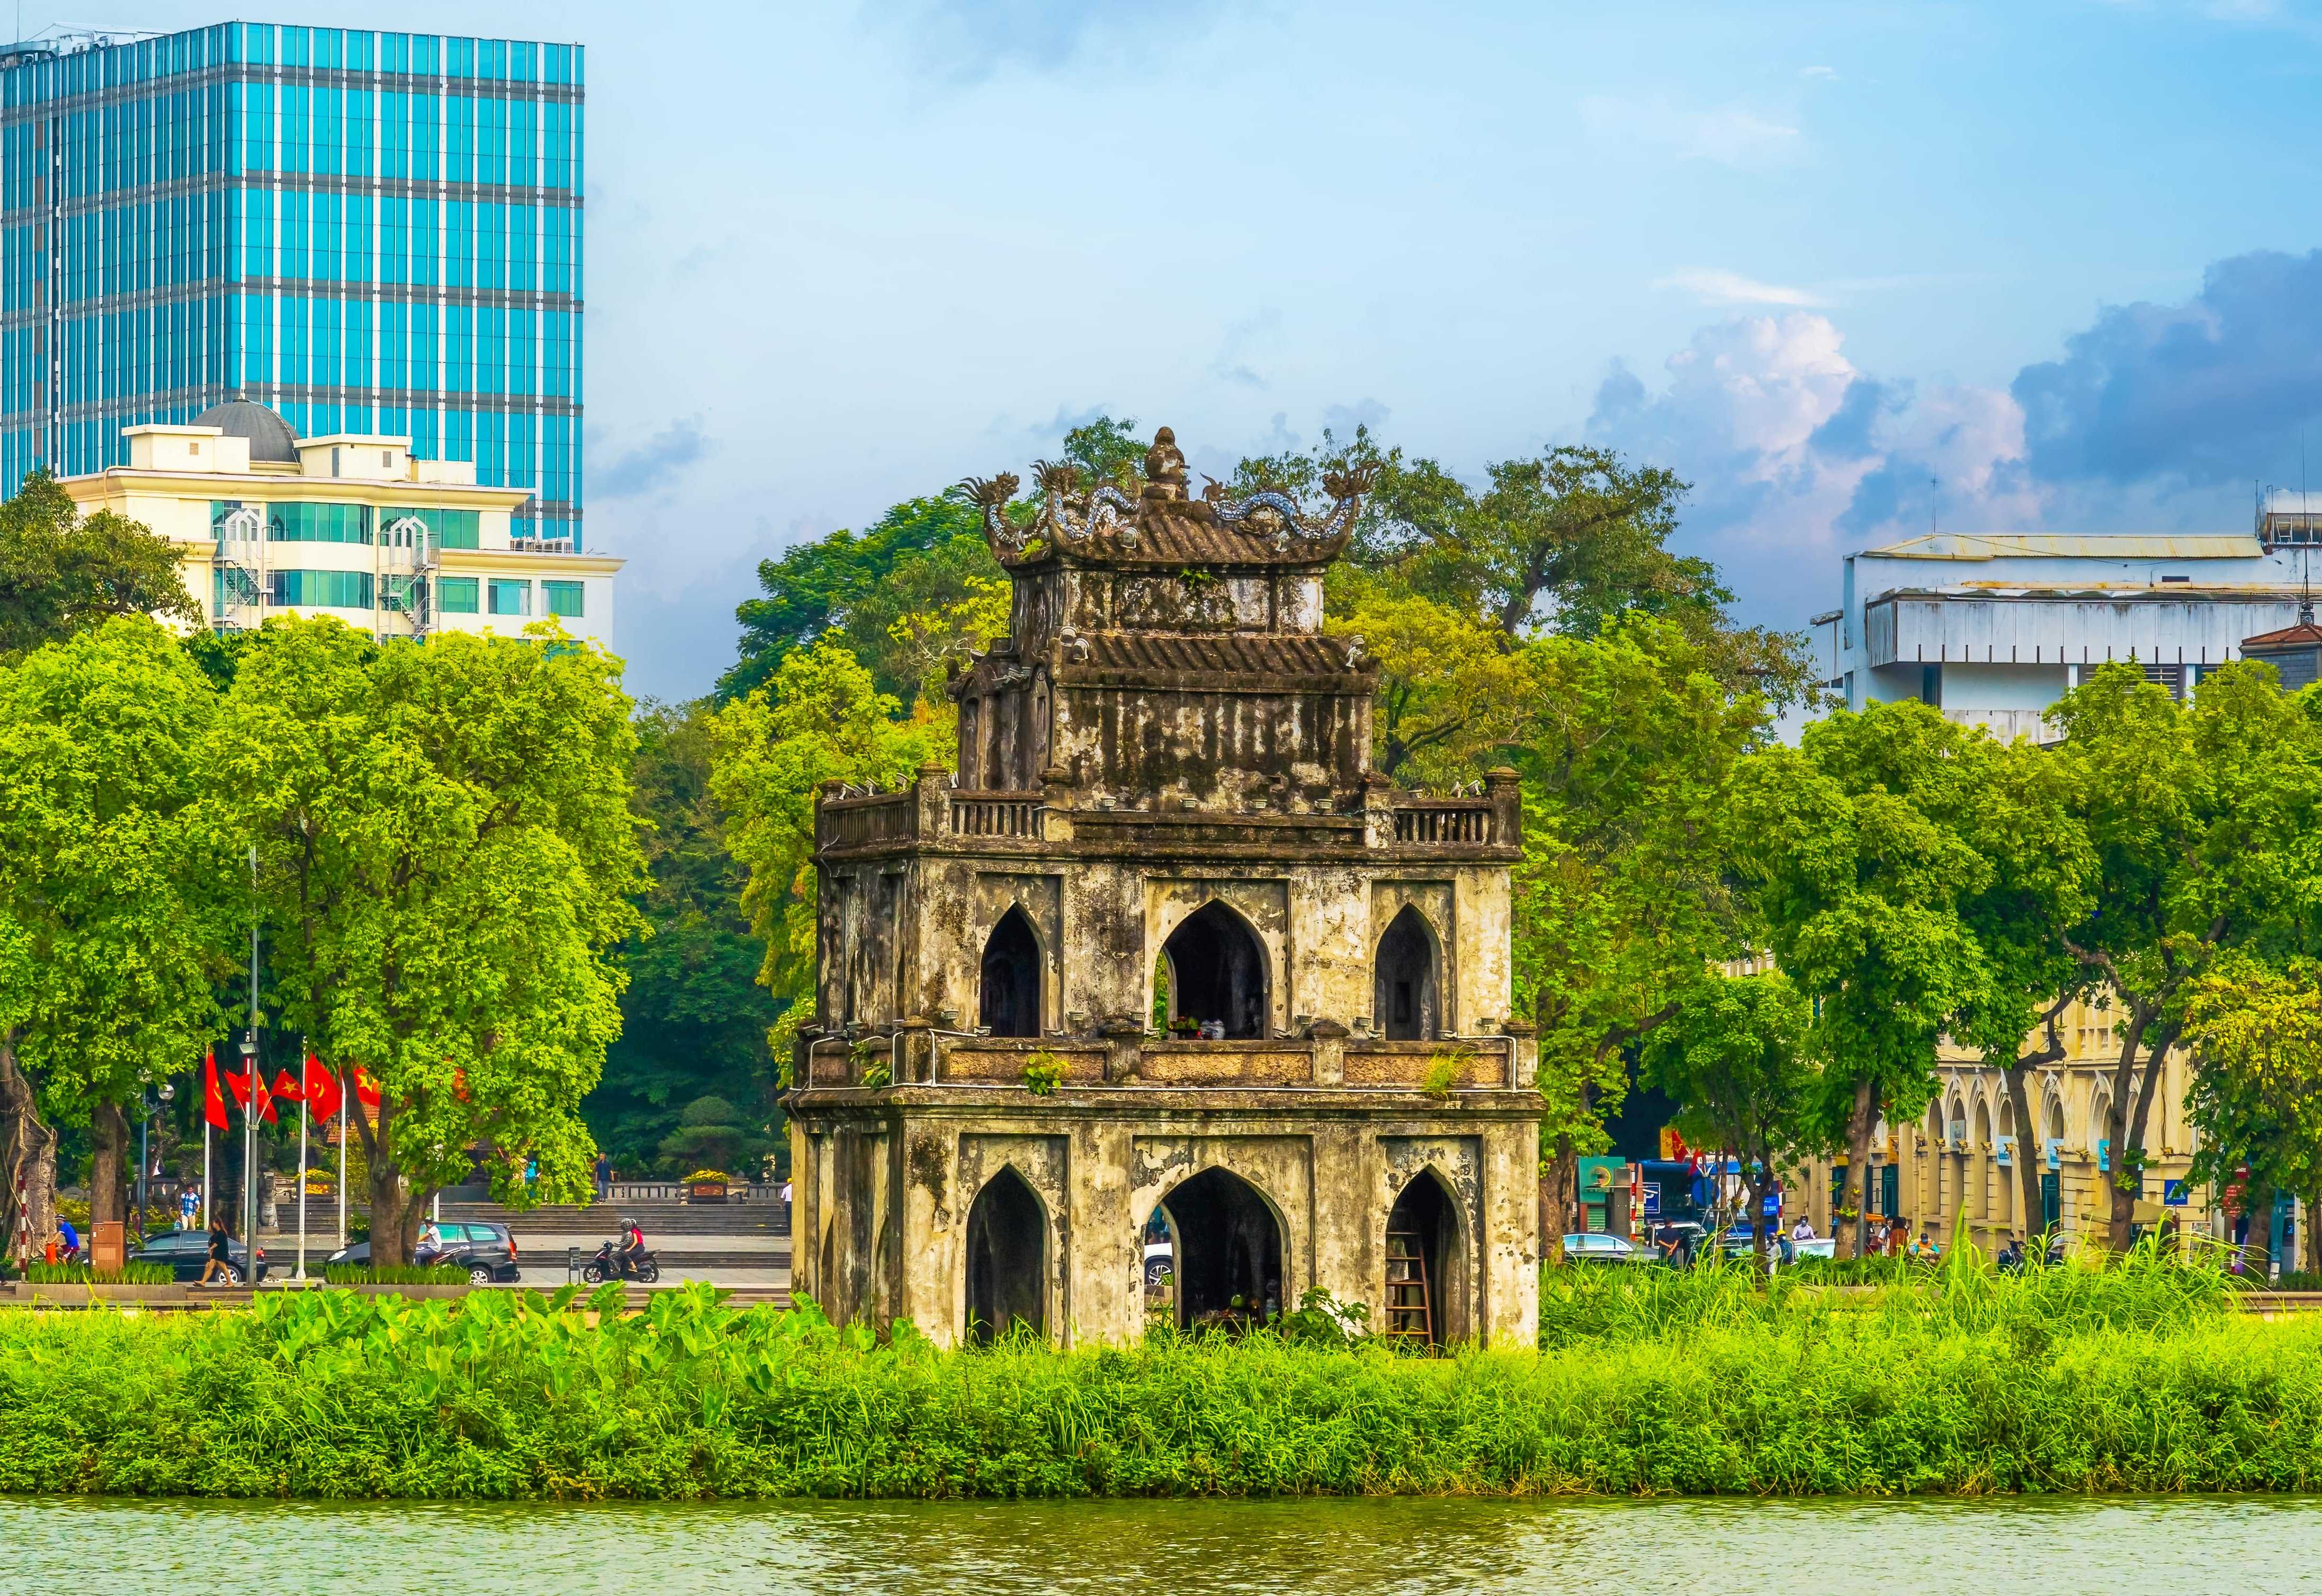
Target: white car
point(1600, 1247)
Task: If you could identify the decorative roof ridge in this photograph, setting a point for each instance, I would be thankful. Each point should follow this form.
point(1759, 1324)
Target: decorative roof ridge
point(1266, 528)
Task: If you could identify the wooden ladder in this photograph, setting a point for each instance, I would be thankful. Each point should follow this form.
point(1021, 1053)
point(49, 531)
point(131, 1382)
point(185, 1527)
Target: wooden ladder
point(1409, 1310)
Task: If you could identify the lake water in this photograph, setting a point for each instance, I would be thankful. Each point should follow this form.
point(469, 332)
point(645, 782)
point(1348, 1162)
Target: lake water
point(2174, 1546)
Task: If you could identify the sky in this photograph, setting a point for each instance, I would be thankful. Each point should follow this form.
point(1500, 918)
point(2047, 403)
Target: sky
point(1851, 270)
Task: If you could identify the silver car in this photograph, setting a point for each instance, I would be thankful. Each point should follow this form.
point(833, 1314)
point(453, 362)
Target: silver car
point(1601, 1247)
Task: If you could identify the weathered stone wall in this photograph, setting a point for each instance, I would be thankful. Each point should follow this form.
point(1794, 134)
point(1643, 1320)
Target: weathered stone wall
point(905, 938)
point(1329, 1169)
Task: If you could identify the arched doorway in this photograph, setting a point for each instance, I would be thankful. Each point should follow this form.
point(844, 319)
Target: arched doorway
point(1012, 978)
point(1007, 1260)
point(1229, 1252)
point(1427, 1285)
point(1217, 972)
point(1404, 980)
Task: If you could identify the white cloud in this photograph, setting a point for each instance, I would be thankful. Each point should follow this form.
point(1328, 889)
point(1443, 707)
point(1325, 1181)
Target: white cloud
point(1818, 71)
point(1797, 454)
point(1716, 286)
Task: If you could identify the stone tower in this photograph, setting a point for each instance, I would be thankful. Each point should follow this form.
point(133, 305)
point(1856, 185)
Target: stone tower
point(1271, 993)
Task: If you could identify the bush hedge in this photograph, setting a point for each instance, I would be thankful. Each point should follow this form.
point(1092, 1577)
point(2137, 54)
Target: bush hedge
point(2073, 1380)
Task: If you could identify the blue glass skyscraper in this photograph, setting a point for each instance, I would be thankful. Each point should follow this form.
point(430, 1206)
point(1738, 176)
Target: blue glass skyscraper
point(371, 232)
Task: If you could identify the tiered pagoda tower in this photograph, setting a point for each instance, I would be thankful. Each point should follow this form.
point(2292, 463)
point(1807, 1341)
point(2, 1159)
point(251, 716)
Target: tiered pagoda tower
point(1272, 993)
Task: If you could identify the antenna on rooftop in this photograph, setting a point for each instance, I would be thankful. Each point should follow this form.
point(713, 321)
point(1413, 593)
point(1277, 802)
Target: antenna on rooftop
point(1931, 507)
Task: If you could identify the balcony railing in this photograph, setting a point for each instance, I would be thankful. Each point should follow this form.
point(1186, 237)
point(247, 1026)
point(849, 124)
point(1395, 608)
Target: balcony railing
point(995, 815)
point(1443, 820)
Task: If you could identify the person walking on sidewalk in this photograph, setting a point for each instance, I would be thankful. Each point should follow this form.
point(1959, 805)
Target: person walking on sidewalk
point(221, 1250)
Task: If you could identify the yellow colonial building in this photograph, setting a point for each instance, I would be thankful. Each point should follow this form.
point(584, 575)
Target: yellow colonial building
point(350, 525)
point(1958, 1162)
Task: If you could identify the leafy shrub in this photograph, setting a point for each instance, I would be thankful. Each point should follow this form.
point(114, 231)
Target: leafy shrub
point(2144, 1382)
point(701, 1175)
point(1443, 1070)
point(1043, 1071)
point(81, 1274)
point(395, 1274)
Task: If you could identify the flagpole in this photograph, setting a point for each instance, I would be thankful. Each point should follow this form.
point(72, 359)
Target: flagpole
point(343, 1164)
point(250, 1103)
point(299, 1274)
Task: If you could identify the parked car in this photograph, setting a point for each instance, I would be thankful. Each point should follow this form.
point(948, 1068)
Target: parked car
point(1600, 1247)
point(487, 1251)
point(185, 1251)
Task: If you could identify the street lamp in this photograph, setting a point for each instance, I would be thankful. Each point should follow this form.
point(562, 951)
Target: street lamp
point(144, 1148)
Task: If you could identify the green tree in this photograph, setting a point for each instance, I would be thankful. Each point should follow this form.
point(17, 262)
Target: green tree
point(2203, 818)
point(1851, 849)
point(713, 1134)
point(1734, 1052)
point(111, 909)
point(929, 549)
point(446, 859)
point(693, 1017)
point(820, 719)
point(61, 572)
point(2256, 1098)
point(2019, 812)
point(1623, 897)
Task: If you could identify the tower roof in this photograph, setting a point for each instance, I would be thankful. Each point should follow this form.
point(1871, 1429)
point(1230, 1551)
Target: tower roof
point(270, 437)
point(1162, 525)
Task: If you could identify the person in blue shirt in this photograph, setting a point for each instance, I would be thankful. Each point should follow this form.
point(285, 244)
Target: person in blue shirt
point(68, 1241)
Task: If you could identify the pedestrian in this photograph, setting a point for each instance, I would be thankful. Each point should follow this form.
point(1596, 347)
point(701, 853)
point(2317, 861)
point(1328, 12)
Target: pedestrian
point(604, 1176)
point(68, 1241)
point(1927, 1250)
point(2011, 1255)
point(1803, 1230)
point(220, 1260)
point(189, 1207)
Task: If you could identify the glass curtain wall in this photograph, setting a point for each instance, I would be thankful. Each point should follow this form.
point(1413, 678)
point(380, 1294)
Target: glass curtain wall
point(368, 232)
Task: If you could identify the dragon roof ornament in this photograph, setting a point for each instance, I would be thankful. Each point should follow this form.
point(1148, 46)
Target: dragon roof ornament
point(1162, 523)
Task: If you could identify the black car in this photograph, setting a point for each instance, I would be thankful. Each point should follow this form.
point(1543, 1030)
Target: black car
point(185, 1251)
point(487, 1251)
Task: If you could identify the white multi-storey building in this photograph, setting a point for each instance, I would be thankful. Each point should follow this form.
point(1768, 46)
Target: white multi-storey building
point(1993, 627)
point(355, 526)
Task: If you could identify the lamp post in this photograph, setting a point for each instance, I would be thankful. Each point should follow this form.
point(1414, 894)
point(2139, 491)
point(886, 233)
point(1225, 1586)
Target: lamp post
point(144, 1148)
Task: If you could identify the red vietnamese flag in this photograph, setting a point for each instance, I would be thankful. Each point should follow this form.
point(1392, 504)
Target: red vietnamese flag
point(240, 1086)
point(322, 1094)
point(213, 1099)
point(286, 1089)
point(366, 1089)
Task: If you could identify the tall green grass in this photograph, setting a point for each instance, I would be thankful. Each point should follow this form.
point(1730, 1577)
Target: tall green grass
point(2062, 1381)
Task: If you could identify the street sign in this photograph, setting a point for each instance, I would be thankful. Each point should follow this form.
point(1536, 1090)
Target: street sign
point(1652, 1199)
point(2173, 1195)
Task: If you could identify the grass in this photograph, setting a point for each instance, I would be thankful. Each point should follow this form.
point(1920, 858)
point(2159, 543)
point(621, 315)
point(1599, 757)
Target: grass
point(2077, 1378)
point(395, 1274)
point(82, 1274)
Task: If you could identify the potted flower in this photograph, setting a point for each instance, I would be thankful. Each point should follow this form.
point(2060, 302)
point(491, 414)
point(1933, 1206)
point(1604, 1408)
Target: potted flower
point(706, 1185)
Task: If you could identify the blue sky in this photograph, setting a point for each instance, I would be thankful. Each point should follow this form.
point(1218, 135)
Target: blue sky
point(2057, 254)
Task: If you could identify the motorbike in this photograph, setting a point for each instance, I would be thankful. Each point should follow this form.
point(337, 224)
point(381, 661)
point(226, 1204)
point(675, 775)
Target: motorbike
point(607, 1264)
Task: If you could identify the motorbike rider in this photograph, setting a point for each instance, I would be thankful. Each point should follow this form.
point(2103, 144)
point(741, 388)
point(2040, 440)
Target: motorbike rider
point(632, 1247)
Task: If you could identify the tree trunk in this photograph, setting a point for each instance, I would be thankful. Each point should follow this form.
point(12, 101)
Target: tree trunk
point(398, 1206)
point(2029, 1152)
point(1560, 1198)
point(28, 1164)
point(2121, 1214)
point(108, 1134)
point(1849, 1238)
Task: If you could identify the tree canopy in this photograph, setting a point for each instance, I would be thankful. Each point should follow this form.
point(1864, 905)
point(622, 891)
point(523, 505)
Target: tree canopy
point(63, 573)
point(446, 856)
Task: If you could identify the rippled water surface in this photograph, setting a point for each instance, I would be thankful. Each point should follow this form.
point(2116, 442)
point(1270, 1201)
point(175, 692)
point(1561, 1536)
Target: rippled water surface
point(2174, 1547)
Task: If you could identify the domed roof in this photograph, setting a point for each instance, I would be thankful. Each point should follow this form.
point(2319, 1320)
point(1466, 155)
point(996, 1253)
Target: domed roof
point(270, 437)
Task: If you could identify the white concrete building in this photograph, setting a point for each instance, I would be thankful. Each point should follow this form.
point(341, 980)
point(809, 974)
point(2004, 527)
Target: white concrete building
point(354, 526)
point(1992, 627)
